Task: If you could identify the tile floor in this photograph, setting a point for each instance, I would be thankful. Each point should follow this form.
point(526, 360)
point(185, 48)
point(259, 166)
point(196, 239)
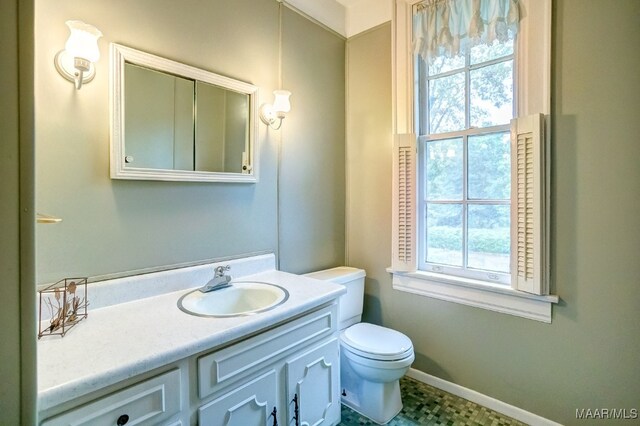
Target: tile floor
point(426, 405)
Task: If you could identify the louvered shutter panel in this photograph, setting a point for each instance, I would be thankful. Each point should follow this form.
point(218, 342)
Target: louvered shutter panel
point(404, 203)
point(528, 205)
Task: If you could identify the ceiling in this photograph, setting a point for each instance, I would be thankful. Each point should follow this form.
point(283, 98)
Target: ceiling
point(346, 17)
point(349, 3)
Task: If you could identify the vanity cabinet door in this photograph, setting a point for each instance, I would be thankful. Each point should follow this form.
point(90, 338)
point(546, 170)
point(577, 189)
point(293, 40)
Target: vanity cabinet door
point(313, 387)
point(252, 403)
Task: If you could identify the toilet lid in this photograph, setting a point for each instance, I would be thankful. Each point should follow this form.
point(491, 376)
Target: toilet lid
point(373, 341)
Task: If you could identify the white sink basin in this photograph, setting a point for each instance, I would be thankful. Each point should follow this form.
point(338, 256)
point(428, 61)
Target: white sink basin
point(241, 298)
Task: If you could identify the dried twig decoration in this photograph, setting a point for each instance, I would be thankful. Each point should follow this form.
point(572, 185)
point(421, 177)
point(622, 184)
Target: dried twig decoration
point(67, 304)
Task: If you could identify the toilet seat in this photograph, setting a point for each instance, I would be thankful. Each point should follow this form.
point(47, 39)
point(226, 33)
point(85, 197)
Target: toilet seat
point(376, 343)
point(382, 366)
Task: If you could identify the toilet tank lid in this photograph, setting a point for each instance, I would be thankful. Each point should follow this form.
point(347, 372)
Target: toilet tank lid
point(340, 275)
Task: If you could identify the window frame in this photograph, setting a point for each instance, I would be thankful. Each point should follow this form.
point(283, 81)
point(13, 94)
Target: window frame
point(532, 61)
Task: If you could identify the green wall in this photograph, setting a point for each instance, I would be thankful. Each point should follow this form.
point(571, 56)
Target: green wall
point(117, 225)
point(313, 156)
point(589, 356)
point(10, 214)
point(17, 218)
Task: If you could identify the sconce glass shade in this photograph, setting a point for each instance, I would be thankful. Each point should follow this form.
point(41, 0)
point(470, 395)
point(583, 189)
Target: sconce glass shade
point(273, 114)
point(281, 102)
point(75, 62)
point(83, 41)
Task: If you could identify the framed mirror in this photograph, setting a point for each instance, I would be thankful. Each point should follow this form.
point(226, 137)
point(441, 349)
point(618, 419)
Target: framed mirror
point(175, 122)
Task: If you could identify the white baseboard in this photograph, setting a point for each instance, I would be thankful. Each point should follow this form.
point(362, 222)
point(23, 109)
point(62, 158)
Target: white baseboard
point(484, 400)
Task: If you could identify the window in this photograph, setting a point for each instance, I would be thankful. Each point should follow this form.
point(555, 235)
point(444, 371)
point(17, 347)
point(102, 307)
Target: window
point(465, 108)
point(469, 214)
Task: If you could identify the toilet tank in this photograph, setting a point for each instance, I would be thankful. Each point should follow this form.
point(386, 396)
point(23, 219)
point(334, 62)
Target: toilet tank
point(349, 304)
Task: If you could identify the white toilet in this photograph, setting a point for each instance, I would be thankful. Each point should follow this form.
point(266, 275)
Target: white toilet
point(372, 358)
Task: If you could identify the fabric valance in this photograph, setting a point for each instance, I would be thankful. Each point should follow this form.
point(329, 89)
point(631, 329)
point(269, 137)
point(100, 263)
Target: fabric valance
point(451, 27)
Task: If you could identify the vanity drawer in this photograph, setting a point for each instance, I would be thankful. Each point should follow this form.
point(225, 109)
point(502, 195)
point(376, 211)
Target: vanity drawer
point(235, 361)
point(148, 402)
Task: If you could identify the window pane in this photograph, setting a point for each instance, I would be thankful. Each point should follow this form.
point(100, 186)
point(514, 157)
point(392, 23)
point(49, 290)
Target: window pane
point(444, 234)
point(442, 64)
point(483, 53)
point(444, 169)
point(488, 239)
point(492, 94)
point(446, 104)
point(489, 167)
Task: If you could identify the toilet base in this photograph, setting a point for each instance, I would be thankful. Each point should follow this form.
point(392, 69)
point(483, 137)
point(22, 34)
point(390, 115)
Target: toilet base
point(386, 415)
point(377, 401)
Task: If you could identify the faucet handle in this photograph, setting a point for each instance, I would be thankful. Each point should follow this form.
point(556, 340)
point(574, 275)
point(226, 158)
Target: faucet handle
point(221, 269)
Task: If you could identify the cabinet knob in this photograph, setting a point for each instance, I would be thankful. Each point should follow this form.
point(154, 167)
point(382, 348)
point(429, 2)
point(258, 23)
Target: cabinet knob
point(122, 420)
point(275, 416)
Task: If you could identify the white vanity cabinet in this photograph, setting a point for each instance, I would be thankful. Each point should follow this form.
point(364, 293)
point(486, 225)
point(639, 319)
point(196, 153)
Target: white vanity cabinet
point(289, 374)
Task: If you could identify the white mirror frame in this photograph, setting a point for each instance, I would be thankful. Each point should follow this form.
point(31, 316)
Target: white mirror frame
point(119, 55)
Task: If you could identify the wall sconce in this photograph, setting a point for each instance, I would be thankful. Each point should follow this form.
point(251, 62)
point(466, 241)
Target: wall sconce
point(272, 113)
point(75, 62)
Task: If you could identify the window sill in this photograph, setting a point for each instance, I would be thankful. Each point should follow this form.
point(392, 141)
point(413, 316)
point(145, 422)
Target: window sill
point(475, 293)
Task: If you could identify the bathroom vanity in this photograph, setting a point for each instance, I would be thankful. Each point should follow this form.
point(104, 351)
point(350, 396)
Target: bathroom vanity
point(139, 359)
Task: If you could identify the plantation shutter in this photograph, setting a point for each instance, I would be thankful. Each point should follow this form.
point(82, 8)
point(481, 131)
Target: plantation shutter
point(404, 203)
point(528, 205)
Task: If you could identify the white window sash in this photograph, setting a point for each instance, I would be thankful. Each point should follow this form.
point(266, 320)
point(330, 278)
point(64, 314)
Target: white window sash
point(500, 278)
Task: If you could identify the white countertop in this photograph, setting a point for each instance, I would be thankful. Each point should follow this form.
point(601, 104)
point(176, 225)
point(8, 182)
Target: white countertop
point(121, 341)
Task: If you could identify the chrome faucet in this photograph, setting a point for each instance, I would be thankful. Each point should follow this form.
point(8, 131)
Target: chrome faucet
point(219, 281)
